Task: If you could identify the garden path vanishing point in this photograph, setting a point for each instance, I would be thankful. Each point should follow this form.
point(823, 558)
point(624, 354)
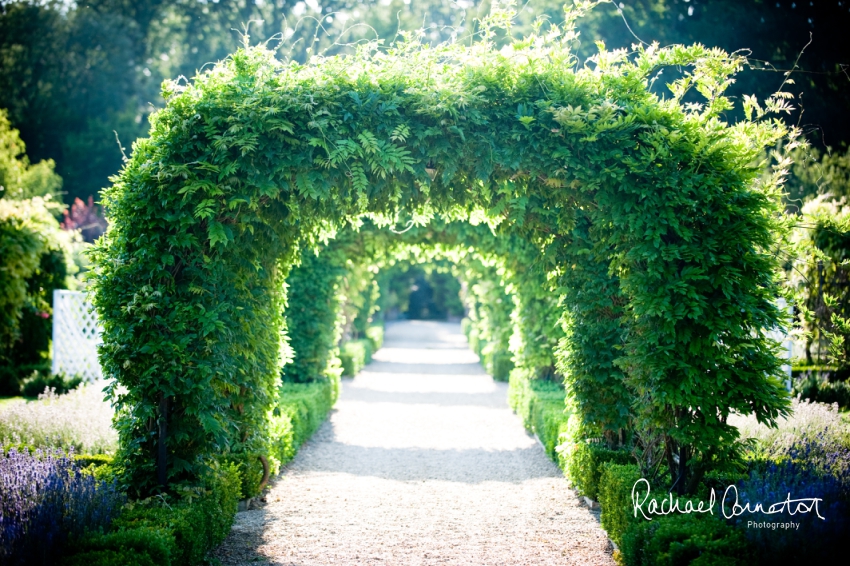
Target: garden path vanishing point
point(421, 462)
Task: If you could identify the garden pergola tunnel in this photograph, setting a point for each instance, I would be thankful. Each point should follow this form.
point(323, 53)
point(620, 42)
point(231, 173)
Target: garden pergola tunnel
point(647, 213)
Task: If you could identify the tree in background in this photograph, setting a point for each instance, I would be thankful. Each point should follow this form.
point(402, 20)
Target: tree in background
point(75, 75)
point(36, 257)
point(428, 291)
point(71, 79)
point(19, 179)
point(817, 172)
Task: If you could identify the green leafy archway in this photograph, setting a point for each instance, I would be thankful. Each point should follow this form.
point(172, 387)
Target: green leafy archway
point(647, 216)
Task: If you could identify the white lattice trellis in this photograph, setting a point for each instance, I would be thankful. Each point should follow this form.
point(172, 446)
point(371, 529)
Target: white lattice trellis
point(75, 335)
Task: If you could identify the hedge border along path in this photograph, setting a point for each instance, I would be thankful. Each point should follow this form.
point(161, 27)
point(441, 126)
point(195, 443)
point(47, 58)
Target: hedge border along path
point(651, 214)
point(422, 462)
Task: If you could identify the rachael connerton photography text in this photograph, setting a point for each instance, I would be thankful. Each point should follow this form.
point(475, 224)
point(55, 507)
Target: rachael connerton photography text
point(730, 505)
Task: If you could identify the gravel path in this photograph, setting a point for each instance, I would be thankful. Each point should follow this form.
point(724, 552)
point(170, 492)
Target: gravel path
point(421, 462)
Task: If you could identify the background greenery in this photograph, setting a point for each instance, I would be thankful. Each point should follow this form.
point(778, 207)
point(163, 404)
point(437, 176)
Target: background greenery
point(555, 310)
point(73, 76)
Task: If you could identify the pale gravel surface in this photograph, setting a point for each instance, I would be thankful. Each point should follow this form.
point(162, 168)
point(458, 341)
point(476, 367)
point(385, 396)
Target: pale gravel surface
point(421, 462)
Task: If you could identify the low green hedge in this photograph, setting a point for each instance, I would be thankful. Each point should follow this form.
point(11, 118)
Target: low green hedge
point(499, 365)
point(540, 405)
point(166, 531)
point(96, 460)
point(685, 540)
point(354, 355)
point(609, 476)
point(375, 335)
point(615, 497)
point(300, 411)
point(302, 408)
point(583, 462)
point(677, 539)
point(141, 546)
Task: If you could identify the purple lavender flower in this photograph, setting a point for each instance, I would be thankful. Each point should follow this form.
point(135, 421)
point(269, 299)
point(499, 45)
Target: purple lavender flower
point(46, 502)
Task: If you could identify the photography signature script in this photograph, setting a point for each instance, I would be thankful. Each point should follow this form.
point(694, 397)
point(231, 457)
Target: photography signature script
point(670, 504)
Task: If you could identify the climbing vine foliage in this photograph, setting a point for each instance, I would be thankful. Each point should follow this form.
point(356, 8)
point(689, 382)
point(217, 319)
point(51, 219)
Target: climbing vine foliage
point(647, 215)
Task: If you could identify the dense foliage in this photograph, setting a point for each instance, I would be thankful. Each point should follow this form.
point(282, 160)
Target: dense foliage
point(73, 74)
point(20, 179)
point(639, 199)
point(313, 316)
point(36, 258)
point(821, 277)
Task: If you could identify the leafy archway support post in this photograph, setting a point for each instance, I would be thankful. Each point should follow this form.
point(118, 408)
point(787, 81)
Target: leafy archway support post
point(652, 220)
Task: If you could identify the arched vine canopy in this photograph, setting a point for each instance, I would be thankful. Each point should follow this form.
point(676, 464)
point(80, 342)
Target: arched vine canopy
point(646, 219)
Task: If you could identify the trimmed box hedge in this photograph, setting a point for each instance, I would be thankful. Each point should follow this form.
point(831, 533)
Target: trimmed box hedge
point(354, 355)
point(499, 365)
point(694, 540)
point(302, 409)
point(375, 335)
point(540, 405)
point(583, 462)
point(615, 497)
point(166, 531)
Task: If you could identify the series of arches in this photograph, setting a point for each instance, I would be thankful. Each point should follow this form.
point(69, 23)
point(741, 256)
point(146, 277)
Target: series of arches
point(645, 218)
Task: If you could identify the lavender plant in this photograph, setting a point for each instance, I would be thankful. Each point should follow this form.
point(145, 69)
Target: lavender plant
point(46, 502)
point(807, 471)
point(806, 455)
point(809, 421)
point(80, 419)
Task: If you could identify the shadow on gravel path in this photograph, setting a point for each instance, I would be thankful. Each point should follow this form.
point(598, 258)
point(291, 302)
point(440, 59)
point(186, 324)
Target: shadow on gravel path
point(422, 462)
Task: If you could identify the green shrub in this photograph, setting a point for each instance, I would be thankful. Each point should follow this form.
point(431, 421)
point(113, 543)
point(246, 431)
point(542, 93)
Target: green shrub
point(583, 463)
point(36, 259)
point(167, 531)
point(301, 410)
point(99, 465)
point(615, 497)
point(499, 365)
point(37, 382)
point(681, 540)
point(19, 178)
point(12, 376)
point(375, 335)
point(817, 388)
point(540, 405)
point(142, 546)
point(354, 355)
point(86, 460)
